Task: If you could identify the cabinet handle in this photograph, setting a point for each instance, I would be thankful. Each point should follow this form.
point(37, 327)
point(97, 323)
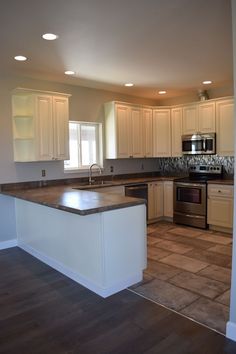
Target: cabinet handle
point(131, 157)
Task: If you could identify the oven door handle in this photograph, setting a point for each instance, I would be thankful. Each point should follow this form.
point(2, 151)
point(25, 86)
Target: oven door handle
point(189, 184)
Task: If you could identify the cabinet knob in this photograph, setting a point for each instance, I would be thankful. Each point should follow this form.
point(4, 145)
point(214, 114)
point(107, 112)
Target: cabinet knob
point(219, 191)
point(131, 156)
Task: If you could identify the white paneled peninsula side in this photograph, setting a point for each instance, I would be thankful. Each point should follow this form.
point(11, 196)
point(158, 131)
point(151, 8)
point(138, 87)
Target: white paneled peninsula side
point(97, 239)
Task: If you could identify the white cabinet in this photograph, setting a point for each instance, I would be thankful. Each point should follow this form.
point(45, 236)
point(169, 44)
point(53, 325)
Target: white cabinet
point(199, 118)
point(190, 119)
point(124, 130)
point(147, 129)
point(40, 126)
point(220, 206)
point(206, 117)
point(161, 132)
point(137, 134)
point(225, 127)
point(168, 199)
point(155, 200)
point(176, 131)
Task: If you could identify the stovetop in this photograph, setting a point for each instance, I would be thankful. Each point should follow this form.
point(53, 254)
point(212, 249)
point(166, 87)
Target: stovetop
point(202, 173)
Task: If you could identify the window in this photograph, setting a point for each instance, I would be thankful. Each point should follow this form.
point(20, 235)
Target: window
point(85, 145)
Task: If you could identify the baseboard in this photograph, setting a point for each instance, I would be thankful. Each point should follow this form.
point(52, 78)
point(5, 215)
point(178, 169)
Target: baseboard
point(231, 330)
point(104, 292)
point(8, 244)
point(226, 230)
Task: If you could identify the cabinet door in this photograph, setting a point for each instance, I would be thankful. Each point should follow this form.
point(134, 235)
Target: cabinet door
point(225, 127)
point(168, 199)
point(206, 117)
point(151, 202)
point(220, 212)
point(176, 132)
point(60, 128)
point(161, 133)
point(137, 132)
point(44, 127)
point(190, 119)
point(123, 131)
point(158, 195)
point(147, 128)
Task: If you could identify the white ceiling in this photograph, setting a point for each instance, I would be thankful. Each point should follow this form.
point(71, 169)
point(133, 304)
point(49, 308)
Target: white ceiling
point(156, 44)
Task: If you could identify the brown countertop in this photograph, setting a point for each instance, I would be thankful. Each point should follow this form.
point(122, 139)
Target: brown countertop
point(121, 182)
point(226, 181)
point(75, 201)
point(76, 197)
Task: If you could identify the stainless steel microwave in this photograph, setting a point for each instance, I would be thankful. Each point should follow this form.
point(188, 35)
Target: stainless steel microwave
point(198, 144)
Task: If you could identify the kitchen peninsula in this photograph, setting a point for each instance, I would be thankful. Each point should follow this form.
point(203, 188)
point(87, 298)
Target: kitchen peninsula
point(97, 239)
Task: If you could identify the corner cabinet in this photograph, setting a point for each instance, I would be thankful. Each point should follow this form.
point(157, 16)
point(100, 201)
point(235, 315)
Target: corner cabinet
point(40, 126)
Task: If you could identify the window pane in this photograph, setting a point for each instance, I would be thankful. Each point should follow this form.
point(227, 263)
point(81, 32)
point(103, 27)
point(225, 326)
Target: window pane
point(73, 146)
point(84, 145)
point(88, 145)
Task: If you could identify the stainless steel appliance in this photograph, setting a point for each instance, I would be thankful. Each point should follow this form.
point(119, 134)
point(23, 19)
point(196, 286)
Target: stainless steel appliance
point(190, 195)
point(198, 144)
point(138, 191)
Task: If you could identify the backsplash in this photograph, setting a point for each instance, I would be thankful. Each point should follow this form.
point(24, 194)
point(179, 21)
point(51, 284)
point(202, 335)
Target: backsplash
point(180, 165)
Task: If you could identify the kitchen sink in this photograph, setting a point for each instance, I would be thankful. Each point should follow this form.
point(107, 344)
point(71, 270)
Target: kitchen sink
point(86, 185)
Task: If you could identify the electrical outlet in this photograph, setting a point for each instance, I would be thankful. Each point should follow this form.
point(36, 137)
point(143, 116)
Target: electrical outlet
point(43, 173)
point(111, 169)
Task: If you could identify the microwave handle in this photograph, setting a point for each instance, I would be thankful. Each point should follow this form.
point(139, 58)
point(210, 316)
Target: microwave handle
point(204, 145)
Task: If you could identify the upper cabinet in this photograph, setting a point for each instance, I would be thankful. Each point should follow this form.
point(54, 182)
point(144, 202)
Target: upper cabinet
point(147, 129)
point(176, 131)
point(225, 127)
point(40, 126)
point(161, 132)
point(139, 131)
point(126, 135)
point(206, 117)
point(199, 118)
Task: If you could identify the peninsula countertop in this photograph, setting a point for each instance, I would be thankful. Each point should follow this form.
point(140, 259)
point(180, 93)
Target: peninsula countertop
point(82, 202)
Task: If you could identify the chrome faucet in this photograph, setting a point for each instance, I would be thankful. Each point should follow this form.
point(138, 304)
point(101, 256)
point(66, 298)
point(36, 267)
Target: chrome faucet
point(90, 171)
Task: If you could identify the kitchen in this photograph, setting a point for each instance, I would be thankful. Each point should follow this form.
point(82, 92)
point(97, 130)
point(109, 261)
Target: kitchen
point(80, 105)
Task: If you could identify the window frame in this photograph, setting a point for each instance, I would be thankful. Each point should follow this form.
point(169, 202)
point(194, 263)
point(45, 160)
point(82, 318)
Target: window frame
point(99, 144)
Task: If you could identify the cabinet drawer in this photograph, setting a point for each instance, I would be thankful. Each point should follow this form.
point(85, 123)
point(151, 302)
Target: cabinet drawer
point(220, 190)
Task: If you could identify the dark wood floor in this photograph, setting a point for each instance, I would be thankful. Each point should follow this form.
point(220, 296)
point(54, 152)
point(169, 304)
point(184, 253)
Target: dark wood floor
point(41, 311)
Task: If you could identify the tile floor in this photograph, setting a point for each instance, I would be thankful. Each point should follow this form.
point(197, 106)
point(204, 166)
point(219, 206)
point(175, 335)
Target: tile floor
point(189, 271)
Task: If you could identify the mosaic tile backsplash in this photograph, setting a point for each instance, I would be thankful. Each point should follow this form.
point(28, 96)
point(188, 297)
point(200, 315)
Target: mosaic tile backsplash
point(180, 165)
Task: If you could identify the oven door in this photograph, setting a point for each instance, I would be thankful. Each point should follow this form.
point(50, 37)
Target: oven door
point(190, 204)
point(190, 198)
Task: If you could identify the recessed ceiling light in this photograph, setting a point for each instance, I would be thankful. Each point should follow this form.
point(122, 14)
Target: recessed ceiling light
point(162, 92)
point(207, 82)
point(20, 58)
point(69, 72)
point(49, 36)
point(129, 84)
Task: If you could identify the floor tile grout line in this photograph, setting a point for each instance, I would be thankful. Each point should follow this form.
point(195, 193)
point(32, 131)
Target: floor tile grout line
point(176, 312)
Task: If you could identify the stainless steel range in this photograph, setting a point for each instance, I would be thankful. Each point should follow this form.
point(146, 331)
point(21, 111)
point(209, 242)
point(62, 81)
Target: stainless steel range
point(190, 195)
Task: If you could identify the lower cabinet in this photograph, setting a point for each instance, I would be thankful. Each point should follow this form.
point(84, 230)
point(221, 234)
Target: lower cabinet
point(160, 200)
point(155, 200)
point(168, 199)
point(220, 206)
